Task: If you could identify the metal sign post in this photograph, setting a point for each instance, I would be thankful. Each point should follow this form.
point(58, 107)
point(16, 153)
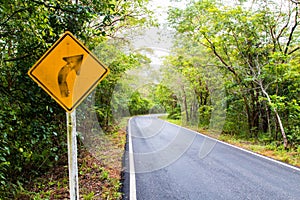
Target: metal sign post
point(72, 155)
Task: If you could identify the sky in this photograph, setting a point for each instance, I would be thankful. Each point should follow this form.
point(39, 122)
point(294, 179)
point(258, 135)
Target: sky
point(161, 7)
point(158, 39)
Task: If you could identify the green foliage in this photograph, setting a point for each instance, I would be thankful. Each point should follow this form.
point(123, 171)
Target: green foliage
point(118, 63)
point(138, 105)
point(32, 125)
point(89, 196)
point(258, 56)
point(169, 101)
point(294, 136)
point(204, 115)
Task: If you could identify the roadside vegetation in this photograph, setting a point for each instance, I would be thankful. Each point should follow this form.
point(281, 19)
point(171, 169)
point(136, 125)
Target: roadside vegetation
point(250, 53)
point(233, 73)
point(32, 125)
point(99, 177)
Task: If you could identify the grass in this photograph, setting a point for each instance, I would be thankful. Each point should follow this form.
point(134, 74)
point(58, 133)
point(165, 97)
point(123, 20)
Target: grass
point(269, 149)
point(99, 171)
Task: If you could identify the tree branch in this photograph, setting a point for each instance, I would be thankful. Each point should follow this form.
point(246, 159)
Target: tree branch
point(292, 32)
point(56, 7)
point(213, 48)
point(296, 49)
point(295, 2)
point(14, 13)
point(284, 27)
point(17, 58)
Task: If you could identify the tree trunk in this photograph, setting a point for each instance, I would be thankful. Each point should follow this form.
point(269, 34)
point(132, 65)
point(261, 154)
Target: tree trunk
point(285, 141)
point(249, 115)
point(185, 105)
point(268, 121)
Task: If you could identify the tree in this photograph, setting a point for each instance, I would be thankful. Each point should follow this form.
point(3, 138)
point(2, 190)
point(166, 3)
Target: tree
point(138, 105)
point(244, 40)
point(169, 100)
point(32, 124)
point(118, 63)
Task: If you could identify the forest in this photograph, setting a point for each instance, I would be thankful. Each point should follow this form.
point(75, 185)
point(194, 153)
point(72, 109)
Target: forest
point(233, 69)
point(254, 46)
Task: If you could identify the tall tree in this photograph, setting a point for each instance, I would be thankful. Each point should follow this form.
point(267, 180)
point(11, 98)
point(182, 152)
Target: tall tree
point(244, 40)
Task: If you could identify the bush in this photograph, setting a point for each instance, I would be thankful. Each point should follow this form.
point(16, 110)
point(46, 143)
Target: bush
point(138, 105)
point(175, 113)
point(32, 139)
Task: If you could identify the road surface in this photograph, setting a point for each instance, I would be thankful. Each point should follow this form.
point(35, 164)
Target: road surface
point(166, 162)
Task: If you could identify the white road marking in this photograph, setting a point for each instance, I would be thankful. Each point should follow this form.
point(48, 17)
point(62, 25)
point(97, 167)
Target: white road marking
point(132, 188)
point(236, 147)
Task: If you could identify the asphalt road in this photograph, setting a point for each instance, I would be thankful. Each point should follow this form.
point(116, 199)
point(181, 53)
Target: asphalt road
point(170, 162)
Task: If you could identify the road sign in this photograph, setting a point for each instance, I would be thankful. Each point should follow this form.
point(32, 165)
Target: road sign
point(68, 72)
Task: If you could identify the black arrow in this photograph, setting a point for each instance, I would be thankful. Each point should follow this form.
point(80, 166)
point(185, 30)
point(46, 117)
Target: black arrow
point(73, 63)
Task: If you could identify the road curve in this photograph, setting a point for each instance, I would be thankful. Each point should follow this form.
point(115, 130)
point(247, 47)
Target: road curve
point(167, 165)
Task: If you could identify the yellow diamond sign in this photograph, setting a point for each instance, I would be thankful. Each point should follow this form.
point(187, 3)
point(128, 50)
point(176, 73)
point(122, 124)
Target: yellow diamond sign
point(68, 71)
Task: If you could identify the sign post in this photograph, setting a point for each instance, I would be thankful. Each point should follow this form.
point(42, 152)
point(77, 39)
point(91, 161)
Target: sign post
point(72, 155)
point(69, 72)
